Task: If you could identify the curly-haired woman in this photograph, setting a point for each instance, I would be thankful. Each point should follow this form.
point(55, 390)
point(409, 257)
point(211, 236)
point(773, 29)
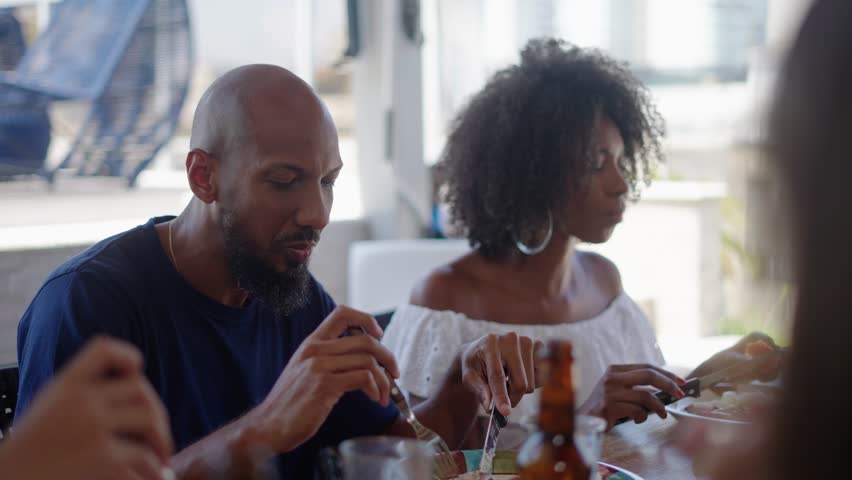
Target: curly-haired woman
point(545, 157)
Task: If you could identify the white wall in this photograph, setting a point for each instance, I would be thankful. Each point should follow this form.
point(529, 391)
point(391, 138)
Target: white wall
point(395, 184)
point(668, 250)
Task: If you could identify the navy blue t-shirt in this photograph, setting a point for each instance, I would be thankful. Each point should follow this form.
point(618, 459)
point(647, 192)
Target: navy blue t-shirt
point(209, 363)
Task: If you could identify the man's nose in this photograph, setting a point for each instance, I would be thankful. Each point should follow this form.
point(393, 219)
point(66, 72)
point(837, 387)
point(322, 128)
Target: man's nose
point(315, 209)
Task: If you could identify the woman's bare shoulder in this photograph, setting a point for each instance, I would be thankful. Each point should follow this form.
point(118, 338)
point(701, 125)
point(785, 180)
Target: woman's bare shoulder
point(442, 288)
point(604, 272)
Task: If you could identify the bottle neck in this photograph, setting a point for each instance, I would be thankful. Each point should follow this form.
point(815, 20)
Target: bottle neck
point(556, 413)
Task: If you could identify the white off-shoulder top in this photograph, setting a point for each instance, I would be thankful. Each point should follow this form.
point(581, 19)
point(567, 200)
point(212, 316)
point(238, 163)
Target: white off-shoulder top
point(425, 342)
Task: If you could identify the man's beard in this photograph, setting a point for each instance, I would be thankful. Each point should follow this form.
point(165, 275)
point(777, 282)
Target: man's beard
point(283, 292)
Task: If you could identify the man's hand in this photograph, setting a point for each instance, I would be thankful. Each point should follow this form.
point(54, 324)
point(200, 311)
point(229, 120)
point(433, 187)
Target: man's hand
point(725, 451)
point(324, 367)
point(741, 352)
point(98, 419)
point(615, 397)
point(486, 363)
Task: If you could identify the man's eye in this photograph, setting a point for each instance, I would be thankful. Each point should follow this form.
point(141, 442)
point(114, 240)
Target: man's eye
point(279, 185)
point(329, 183)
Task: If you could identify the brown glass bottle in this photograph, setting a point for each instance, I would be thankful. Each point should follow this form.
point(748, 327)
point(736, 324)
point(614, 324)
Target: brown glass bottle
point(550, 453)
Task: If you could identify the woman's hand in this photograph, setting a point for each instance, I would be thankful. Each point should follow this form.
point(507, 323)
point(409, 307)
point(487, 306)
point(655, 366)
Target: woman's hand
point(486, 363)
point(615, 397)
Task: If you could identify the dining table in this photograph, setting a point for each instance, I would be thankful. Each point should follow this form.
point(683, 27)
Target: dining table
point(645, 449)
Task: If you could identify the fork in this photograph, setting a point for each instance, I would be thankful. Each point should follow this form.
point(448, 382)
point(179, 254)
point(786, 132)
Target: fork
point(445, 466)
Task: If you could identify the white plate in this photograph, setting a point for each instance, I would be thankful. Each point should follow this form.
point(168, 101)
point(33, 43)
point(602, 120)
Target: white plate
point(678, 409)
point(613, 467)
point(622, 471)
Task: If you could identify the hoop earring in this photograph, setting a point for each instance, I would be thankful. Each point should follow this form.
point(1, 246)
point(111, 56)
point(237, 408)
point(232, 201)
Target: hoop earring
point(534, 249)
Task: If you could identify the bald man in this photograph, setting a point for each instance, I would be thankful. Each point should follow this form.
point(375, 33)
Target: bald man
point(243, 345)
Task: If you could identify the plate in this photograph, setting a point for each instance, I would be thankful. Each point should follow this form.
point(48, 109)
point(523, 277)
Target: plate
point(618, 473)
point(506, 469)
point(678, 410)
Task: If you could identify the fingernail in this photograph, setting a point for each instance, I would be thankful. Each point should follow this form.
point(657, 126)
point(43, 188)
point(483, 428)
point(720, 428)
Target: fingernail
point(680, 393)
point(167, 473)
point(681, 381)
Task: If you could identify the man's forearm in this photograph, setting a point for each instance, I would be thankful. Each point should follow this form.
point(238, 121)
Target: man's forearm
point(452, 411)
point(237, 440)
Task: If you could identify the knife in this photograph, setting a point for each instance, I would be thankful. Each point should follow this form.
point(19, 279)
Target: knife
point(694, 386)
point(496, 421)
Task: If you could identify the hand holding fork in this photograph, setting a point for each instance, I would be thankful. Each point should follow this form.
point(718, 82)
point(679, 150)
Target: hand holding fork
point(445, 466)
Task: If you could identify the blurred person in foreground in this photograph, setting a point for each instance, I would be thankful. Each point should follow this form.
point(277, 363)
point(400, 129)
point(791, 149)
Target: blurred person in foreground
point(806, 435)
point(244, 346)
point(544, 157)
point(98, 419)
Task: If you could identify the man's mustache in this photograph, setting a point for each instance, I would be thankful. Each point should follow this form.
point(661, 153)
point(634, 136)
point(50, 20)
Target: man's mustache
point(308, 235)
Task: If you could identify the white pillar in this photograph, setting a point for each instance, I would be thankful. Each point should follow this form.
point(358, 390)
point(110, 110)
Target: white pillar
point(42, 15)
point(387, 74)
point(304, 51)
point(432, 115)
point(783, 18)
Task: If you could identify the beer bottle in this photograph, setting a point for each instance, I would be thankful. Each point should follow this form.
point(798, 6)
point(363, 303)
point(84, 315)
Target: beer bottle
point(550, 453)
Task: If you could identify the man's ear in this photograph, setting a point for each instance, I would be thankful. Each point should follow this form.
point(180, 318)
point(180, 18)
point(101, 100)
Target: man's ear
point(201, 170)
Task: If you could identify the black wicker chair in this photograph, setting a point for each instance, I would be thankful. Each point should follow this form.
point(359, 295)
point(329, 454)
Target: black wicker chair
point(130, 61)
point(8, 398)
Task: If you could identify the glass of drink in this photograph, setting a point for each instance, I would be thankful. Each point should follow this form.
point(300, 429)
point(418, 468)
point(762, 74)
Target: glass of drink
point(386, 458)
point(588, 436)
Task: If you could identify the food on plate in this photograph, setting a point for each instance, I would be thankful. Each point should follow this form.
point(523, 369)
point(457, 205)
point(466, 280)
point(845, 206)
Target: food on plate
point(758, 348)
point(770, 366)
point(506, 469)
point(471, 476)
point(739, 406)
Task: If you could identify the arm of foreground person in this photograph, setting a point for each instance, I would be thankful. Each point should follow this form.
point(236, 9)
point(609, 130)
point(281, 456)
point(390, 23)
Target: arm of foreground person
point(738, 353)
point(98, 418)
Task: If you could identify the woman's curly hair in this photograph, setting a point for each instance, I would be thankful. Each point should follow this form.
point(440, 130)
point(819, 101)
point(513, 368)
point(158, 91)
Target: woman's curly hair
point(522, 146)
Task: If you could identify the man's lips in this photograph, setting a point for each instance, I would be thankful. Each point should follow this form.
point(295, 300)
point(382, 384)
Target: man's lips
point(298, 251)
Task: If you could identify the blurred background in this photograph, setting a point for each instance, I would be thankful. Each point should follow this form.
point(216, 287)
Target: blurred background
point(96, 100)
